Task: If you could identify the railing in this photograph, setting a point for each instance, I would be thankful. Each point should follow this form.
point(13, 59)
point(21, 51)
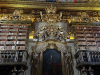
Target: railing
point(12, 56)
point(88, 57)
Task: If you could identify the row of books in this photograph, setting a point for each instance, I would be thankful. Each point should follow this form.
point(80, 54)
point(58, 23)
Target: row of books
point(3, 37)
point(81, 38)
point(80, 27)
point(13, 30)
point(23, 30)
point(88, 43)
point(97, 39)
point(4, 29)
point(12, 42)
point(12, 47)
point(21, 37)
point(12, 37)
point(82, 43)
point(88, 31)
point(90, 48)
point(13, 33)
point(84, 30)
point(91, 39)
point(14, 26)
point(89, 35)
point(98, 43)
point(82, 47)
point(80, 35)
point(91, 43)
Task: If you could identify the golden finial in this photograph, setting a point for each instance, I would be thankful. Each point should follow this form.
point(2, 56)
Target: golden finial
point(51, 9)
point(51, 17)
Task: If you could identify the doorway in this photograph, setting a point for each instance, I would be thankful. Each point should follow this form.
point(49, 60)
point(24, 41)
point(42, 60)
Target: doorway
point(51, 62)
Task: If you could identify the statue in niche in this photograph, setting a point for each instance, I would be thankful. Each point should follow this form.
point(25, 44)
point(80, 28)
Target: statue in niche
point(68, 62)
point(35, 64)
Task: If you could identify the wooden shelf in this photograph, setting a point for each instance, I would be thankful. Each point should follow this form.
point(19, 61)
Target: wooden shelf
point(88, 38)
point(13, 37)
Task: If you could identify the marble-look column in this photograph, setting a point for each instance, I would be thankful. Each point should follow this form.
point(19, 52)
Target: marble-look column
point(74, 60)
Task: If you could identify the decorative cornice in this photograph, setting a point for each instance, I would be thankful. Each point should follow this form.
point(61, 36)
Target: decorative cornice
point(42, 5)
point(16, 15)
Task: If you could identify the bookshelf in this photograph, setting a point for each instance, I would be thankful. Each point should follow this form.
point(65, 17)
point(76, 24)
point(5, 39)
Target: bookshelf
point(13, 37)
point(87, 46)
point(87, 38)
point(13, 45)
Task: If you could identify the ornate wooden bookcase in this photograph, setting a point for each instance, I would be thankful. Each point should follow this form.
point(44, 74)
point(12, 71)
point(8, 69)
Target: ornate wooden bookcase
point(84, 22)
point(87, 46)
point(14, 46)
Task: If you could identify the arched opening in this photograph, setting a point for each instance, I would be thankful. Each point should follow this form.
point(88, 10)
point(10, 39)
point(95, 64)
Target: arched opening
point(52, 64)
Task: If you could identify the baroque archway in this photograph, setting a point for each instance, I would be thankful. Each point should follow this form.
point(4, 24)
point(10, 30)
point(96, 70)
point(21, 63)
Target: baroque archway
point(51, 44)
point(52, 35)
